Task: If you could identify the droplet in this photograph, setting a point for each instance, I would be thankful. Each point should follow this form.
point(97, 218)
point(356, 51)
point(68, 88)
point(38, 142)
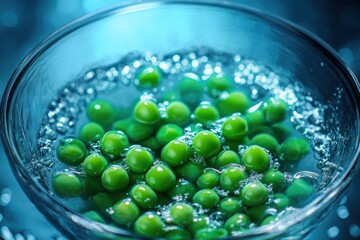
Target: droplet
point(333, 232)
point(5, 197)
point(342, 212)
point(18, 236)
point(5, 233)
point(354, 231)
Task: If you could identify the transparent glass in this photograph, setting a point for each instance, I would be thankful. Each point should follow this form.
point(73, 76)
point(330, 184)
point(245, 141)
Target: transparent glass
point(104, 37)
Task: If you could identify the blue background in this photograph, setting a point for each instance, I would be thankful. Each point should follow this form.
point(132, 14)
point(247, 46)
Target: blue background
point(24, 23)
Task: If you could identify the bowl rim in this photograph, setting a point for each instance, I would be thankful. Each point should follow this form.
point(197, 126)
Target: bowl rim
point(34, 188)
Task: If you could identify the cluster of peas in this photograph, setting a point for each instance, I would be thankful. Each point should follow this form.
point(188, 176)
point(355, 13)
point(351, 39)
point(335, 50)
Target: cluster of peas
point(164, 171)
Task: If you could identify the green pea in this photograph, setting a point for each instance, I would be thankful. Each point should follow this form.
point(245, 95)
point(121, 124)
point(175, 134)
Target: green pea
point(211, 233)
point(226, 157)
point(101, 111)
point(231, 177)
point(71, 151)
point(255, 159)
point(95, 164)
point(206, 144)
point(177, 233)
point(191, 89)
point(217, 84)
point(91, 132)
point(149, 225)
point(275, 110)
point(67, 185)
point(115, 178)
point(237, 222)
point(134, 130)
point(182, 213)
point(199, 222)
point(294, 149)
point(92, 186)
point(275, 178)
point(234, 128)
point(168, 132)
point(209, 179)
point(269, 219)
point(206, 113)
point(280, 201)
point(178, 113)
point(149, 77)
point(229, 206)
point(93, 215)
point(254, 193)
point(255, 118)
point(160, 177)
point(103, 201)
point(207, 198)
point(259, 213)
point(299, 189)
point(146, 112)
point(282, 131)
point(190, 171)
point(139, 159)
point(176, 153)
point(143, 195)
point(125, 212)
point(113, 143)
point(183, 189)
point(266, 141)
point(235, 102)
point(151, 143)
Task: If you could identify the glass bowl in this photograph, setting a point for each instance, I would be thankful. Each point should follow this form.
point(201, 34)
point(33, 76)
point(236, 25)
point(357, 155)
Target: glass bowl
point(102, 38)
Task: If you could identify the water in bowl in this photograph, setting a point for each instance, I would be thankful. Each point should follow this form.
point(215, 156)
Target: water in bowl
point(118, 83)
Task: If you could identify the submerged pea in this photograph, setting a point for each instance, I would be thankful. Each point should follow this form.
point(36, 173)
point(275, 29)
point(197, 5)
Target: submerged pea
point(149, 225)
point(67, 185)
point(146, 112)
point(294, 148)
point(160, 177)
point(101, 111)
point(149, 77)
point(71, 151)
point(206, 144)
point(113, 143)
point(235, 102)
point(125, 212)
